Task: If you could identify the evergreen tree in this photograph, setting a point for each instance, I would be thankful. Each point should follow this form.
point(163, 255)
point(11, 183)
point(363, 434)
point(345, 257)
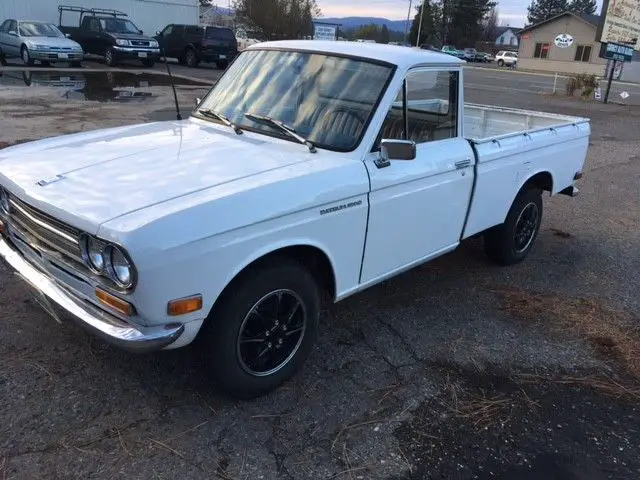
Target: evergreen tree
point(541, 10)
point(465, 21)
point(430, 22)
point(279, 18)
point(583, 6)
point(384, 35)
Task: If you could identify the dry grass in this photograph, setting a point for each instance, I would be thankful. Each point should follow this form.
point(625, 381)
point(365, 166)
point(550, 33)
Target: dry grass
point(613, 333)
point(601, 383)
point(482, 411)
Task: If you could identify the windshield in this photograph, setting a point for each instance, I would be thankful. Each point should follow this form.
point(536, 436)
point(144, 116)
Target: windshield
point(118, 25)
point(34, 29)
point(326, 99)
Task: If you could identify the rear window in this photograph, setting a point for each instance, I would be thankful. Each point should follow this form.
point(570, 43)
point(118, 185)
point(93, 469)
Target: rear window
point(219, 33)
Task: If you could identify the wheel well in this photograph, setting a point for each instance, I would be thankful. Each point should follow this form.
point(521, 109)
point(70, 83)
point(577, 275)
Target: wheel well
point(542, 180)
point(311, 257)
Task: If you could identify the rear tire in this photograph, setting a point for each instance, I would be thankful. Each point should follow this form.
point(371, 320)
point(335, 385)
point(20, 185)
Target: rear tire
point(262, 329)
point(511, 242)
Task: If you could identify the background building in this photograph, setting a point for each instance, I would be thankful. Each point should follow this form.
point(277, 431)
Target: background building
point(538, 49)
point(149, 16)
point(507, 38)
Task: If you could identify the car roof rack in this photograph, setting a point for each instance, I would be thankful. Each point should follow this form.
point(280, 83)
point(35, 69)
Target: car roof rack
point(99, 11)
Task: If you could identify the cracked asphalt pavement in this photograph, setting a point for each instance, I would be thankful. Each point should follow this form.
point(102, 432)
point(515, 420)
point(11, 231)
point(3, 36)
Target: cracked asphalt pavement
point(458, 369)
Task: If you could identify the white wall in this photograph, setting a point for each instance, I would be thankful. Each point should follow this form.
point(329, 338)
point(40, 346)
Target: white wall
point(148, 15)
point(631, 70)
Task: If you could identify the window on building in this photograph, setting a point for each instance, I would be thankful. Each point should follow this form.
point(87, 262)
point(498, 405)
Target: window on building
point(583, 53)
point(541, 50)
point(501, 40)
point(514, 41)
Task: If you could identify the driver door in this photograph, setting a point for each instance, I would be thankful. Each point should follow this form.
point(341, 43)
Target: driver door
point(418, 207)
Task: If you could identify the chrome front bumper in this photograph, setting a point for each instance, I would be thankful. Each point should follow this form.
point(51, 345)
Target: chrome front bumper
point(54, 56)
point(53, 296)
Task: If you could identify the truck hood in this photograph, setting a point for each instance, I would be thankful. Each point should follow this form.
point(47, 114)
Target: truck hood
point(90, 178)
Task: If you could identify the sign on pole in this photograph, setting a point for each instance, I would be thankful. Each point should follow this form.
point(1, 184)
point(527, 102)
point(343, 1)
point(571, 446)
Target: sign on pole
point(620, 23)
point(616, 51)
point(325, 31)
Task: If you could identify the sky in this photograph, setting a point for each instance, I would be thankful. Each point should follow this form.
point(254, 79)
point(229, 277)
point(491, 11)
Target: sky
point(512, 12)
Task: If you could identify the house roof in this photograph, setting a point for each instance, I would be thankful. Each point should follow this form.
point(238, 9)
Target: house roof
point(502, 30)
point(585, 17)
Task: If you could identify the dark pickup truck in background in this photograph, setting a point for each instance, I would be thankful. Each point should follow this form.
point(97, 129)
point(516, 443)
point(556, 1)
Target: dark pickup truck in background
point(110, 34)
point(192, 44)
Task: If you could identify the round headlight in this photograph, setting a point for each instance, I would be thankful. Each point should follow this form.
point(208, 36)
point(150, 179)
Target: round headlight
point(121, 268)
point(94, 254)
point(4, 201)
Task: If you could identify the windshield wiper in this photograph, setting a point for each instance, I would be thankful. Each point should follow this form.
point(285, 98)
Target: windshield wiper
point(218, 116)
point(282, 126)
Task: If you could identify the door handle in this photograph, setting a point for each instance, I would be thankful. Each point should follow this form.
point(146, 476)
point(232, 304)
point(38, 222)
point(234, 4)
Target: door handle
point(463, 163)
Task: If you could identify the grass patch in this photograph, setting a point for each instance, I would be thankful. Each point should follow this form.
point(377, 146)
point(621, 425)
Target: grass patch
point(614, 334)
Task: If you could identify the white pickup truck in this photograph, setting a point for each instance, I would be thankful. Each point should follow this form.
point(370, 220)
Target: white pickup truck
point(310, 168)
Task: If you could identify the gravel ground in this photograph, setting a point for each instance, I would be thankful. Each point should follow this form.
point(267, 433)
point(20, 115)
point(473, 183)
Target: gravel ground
point(458, 369)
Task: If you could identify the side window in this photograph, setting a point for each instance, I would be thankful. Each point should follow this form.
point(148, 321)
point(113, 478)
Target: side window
point(4, 28)
point(432, 105)
point(167, 31)
point(94, 25)
point(393, 127)
point(13, 26)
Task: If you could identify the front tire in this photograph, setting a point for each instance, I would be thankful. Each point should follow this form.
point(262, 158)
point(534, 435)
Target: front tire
point(26, 56)
point(501, 63)
point(191, 58)
point(263, 329)
point(110, 57)
point(511, 242)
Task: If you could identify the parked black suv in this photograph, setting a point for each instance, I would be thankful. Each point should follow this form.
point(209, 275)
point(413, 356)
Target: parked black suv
point(192, 44)
point(111, 34)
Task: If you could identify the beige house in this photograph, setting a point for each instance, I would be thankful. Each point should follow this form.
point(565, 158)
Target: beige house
point(575, 52)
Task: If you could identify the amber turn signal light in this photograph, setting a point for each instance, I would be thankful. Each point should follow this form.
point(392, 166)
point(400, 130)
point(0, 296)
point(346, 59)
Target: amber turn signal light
point(182, 306)
point(114, 302)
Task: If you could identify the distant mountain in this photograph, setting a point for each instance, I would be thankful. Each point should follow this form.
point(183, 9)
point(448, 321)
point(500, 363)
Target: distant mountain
point(354, 22)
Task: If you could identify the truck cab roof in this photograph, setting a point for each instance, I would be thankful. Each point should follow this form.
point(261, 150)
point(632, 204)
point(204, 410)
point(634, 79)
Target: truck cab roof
point(403, 57)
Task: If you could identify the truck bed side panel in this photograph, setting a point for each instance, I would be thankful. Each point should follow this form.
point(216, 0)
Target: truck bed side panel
point(504, 166)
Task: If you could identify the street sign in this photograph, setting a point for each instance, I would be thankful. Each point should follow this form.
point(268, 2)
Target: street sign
point(624, 95)
point(597, 93)
point(616, 51)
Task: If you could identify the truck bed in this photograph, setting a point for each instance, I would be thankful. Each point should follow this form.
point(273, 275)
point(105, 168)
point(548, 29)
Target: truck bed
point(484, 123)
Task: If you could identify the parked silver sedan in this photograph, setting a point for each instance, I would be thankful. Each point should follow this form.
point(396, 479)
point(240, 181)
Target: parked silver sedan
point(41, 41)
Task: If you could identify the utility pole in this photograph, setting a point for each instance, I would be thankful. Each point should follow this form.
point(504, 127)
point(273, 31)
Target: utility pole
point(406, 27)
point(420, 23)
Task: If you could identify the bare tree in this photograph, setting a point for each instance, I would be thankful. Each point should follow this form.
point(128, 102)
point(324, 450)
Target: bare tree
point(490, 25)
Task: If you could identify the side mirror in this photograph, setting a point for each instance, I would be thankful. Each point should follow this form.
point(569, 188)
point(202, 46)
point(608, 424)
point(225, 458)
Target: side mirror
point(198, 100)
point(13, 33)
point(140, 31)
point(68, 35)
point(395, 150)
point(158, 32)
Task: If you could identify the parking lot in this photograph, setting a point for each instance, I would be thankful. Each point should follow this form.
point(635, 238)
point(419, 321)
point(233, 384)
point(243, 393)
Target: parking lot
point(458, 369)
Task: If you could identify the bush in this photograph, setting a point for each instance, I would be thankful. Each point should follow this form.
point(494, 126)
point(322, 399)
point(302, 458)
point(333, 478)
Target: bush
point(581, 81)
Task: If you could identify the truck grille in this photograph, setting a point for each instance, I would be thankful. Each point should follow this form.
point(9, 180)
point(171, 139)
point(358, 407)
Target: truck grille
point(139, 43)
point(44, 232)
